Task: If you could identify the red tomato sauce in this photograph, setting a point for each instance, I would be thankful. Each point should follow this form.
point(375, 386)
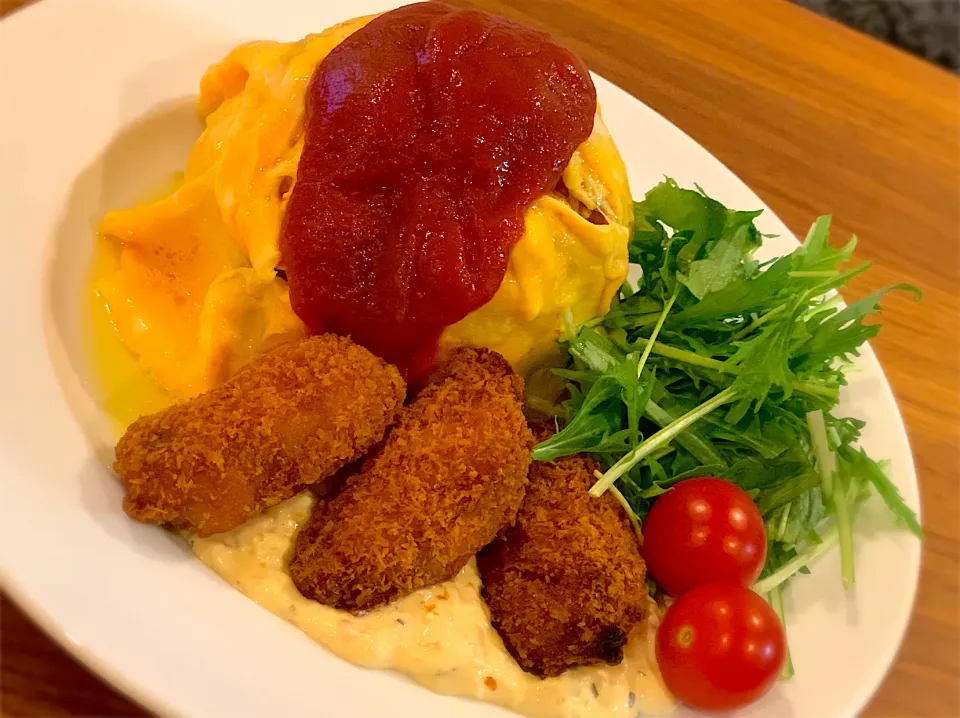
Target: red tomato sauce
point(428, 134)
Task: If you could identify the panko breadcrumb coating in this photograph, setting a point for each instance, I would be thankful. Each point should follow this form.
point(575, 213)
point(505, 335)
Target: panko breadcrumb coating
point(288, 419)
point(565, 586)
point(448, 479)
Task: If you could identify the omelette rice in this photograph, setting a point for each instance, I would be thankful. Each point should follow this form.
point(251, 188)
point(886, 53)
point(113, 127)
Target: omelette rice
point(196, 291)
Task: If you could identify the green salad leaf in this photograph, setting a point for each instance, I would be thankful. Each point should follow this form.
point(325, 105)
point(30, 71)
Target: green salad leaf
point(720, 365)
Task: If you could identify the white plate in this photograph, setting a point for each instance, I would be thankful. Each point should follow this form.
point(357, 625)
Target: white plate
point(96, 100)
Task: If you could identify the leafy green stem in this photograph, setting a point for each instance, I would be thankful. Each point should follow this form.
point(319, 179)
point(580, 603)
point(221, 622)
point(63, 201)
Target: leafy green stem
point(688, 357)
point(631, 514)
point(662, 437)
point(759, 321)
point(775, 599)
point(801, 560)
point(682, 355)
point(815, 389)
point(827, 466)
point(845, 529)
point(698, 447)
point(826, 461)
point(651, 342)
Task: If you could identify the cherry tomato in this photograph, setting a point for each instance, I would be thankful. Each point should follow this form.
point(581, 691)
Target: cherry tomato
point(720, 647)
point(704, 531)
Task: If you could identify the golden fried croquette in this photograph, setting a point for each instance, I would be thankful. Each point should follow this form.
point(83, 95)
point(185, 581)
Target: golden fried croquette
point(288, 419)
point(565, 586)
point(448, 479)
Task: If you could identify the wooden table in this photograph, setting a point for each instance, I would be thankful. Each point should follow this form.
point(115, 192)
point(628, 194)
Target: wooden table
point(816, 119)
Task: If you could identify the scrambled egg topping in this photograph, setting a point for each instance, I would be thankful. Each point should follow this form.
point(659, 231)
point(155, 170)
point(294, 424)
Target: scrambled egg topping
point(194, 293)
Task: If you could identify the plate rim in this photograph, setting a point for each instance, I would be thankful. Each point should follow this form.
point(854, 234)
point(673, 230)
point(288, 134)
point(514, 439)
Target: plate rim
point(138, 691)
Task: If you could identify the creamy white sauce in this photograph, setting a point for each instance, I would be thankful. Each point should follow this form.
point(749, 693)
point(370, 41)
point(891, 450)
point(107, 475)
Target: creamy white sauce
point(440, 636)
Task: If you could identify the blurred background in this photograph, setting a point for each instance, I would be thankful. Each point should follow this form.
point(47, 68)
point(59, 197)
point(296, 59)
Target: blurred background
point(928, 28)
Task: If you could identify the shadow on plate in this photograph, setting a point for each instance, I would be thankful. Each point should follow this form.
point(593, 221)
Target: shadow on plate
point(101, 496)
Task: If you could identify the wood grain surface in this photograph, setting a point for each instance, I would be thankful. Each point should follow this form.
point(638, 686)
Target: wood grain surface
point(816, 119)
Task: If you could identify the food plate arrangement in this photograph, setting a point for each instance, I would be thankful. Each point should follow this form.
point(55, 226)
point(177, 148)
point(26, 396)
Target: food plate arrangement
point(557, 328)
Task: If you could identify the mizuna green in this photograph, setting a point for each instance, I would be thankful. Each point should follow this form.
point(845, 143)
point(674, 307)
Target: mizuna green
point(718, 365)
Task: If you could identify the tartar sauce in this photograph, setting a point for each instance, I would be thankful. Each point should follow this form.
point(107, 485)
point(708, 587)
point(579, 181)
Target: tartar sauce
point(439, 636)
